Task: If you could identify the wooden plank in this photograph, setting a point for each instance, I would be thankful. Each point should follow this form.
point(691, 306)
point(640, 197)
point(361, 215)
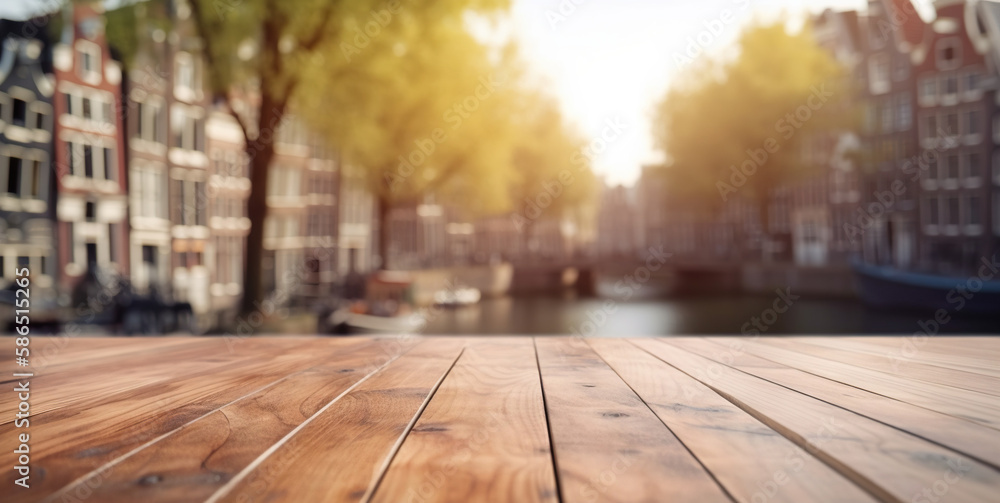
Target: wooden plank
point(51, 353)
point(957, 402)
point(71, 442)
point(86, 379)
point(890, 464)
point(962, 436)
point(195, 461)
point(916, 371)
point(748, 458)
point(483, 437)
point(903, 351)
point(608, 445)
point(340, 452)
point(976, 346)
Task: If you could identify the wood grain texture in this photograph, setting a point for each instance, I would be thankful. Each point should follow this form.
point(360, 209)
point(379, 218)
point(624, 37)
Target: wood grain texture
point(74, 370)
point(910, 352)
point(483, 437)
point(965, 404)
point(425, 419)
point(960, 435)
point(72, 442)
point(914, 371)
point(749, 459)
point(608, 445)
point(890, 464)
point(341, 453)
point(195, 461)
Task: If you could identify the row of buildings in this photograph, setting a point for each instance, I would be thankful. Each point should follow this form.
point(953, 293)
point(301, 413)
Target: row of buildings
point(126, 164)
point(917, 187)
point(118, 162)
point(131, 168)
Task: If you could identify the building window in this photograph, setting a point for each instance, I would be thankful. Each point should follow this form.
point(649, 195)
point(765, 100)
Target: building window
point(953, 210)
point(14, 175)
point(41, 120)
point(973, 122)
point(71, 158)
point(973, 163)
point(151, 199)
point(187, 77)
point(928, 88)
point(973, 208)
point(88, 161)
point(971, 84)
point(905, 112)
point(189, 202)
point(90, 211)
point(949, 53)
point(201, 213)
point(188, 130)
point(114, 242)
point(901, 68)
point(879, 74)
point(87, 112)
point(932, 168)
point(951, 124)
point(952, 167)
point(110, 165)
point(951, 86)
point(177, 201)
point(930, 127)
point(33, 178)
point(88, 62)
point(933, 214)
point(887, 116)
point(23, 177)
point(150, 123)
point(20, 114)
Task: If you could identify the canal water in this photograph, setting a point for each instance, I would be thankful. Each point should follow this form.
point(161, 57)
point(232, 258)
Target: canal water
point(694, 316)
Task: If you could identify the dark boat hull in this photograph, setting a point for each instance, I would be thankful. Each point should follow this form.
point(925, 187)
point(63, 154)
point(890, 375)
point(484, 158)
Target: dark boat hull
point(885, 287)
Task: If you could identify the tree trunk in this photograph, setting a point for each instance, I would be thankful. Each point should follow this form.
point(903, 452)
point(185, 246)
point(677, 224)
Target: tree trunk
point(384, 232)
point(261, 152)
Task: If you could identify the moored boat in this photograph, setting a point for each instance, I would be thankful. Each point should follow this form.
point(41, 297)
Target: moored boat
point(888, 287)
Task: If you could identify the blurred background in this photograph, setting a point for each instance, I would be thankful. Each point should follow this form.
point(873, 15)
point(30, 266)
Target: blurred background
point(501, 166)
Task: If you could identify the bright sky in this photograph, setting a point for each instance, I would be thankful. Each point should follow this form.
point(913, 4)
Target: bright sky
point(612, 60)
point(608, 59)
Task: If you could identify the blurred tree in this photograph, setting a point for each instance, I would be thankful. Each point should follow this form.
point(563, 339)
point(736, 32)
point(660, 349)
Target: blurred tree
point(312, 52)
point(428, 107)
point(736, 127)
point(552, 175)
point(423, 108)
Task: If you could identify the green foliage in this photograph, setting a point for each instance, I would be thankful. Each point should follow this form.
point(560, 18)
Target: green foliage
point(426, 107)
point(548, 153)
point(723, 108)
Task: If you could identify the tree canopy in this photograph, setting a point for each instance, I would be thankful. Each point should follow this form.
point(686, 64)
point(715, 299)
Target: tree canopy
point(404, 90)
point(735, 126)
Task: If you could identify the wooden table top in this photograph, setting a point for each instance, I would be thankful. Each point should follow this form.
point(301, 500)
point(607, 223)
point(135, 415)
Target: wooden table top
point(520, 419)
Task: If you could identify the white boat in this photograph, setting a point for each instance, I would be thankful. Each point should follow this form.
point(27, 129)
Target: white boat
point(343, 321)
point(457, 297)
